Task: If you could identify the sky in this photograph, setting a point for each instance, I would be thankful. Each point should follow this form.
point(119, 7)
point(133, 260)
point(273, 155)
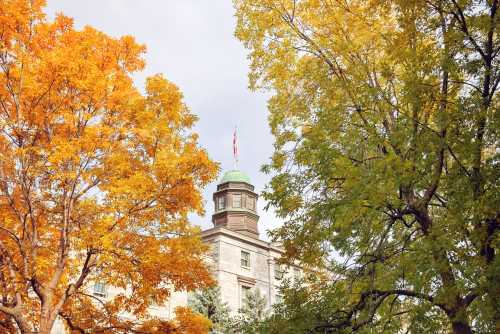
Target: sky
point(192, 43)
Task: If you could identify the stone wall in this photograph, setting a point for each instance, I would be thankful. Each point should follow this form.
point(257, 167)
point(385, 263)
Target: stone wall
point(225, 257)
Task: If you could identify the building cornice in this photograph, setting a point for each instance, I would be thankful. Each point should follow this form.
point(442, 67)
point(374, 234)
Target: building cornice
point(244, 279)
point(213, 232)
point(229, 210)
point(232, 190)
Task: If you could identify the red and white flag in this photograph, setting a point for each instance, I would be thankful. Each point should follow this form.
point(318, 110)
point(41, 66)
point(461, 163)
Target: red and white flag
point(235, 148)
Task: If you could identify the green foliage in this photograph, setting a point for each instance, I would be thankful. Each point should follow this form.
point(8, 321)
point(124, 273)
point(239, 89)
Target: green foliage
point(315, 306)
point(208, 303)
point(387, 131)
point(255, 305)
point(253, 315)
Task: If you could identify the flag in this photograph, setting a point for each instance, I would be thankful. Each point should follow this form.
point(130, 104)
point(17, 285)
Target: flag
point(235, 148)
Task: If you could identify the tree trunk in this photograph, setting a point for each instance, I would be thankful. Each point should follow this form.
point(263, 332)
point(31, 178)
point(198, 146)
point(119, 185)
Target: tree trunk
point(461, 327)
point(23, 325)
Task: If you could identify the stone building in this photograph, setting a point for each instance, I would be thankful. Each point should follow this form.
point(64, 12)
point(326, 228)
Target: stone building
point(240, 259)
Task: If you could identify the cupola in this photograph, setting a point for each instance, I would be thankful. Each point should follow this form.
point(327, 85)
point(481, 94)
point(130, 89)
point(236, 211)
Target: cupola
point(236, 204)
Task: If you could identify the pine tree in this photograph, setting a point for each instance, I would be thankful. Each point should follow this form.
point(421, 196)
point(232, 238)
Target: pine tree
point(255, 305)
point(208, 303)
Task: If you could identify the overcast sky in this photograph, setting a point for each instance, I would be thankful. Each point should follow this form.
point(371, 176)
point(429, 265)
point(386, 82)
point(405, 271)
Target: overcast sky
point(191, 42)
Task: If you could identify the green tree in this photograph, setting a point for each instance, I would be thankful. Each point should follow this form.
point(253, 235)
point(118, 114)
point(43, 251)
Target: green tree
point(208, 303)
point(253, 315)
point(386, 121)
point(255, 306)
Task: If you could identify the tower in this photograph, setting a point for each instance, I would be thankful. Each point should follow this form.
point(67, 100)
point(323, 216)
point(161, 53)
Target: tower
point(236, 204)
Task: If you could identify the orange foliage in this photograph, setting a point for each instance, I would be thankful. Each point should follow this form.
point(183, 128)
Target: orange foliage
point(96, 180)
point(186, 322)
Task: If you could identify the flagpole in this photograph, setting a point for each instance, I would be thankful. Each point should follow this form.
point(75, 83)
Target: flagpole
point(235, 156)
point(235, 149)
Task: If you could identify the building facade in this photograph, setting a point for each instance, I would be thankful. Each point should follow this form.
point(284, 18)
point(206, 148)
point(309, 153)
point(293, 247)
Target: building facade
point(240, 259)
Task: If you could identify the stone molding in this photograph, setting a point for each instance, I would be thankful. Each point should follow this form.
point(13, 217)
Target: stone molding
point(213, 232)
point(232, 190)
point(246, 280)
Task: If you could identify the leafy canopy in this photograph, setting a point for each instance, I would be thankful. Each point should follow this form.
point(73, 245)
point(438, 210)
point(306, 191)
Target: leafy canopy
point(93, 175)
point(386, 121)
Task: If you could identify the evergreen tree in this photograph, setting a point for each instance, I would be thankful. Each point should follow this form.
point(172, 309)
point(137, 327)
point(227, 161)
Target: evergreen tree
point(255, 305)
point(253, 316)
point(208, 303)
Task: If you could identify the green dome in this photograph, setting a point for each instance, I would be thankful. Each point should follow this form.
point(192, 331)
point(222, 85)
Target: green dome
point(235, 176)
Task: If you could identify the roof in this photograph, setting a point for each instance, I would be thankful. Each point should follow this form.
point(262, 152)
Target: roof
point(235, 176)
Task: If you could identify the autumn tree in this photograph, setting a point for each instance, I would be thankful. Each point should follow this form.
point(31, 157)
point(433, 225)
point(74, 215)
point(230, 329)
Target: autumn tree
point(208, 303)
point(386, 120)
point(96, 181)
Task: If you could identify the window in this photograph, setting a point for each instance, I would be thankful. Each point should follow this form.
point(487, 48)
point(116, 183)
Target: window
point(279, 299)
point(222, 202)
point(296, 274)
point(245, 259)
point(99, 287)
point(250, 203)
point(152, 303)
point(278, 273)
point(191, 299)
point(244, 291)
point(236, 201)
point(100, 290)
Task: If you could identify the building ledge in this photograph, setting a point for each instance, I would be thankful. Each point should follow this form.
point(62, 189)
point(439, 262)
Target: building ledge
point(244, 279)
point(231, 209)
point(218, 192)
point(207, 234)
